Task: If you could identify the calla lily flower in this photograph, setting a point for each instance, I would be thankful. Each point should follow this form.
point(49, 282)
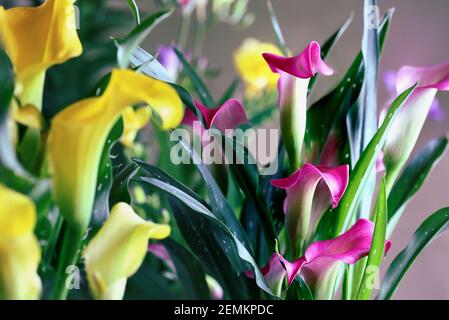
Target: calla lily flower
point(79, 132)
point(320, 263)
point(117, 251)
point(436, 112)
point(20, 252)
point(161, 252)
point(309, 190)
point(133, 121)
point(36, 39)
point(252, 68)
point(294, 76)
point(228, 116)
point(408, 124)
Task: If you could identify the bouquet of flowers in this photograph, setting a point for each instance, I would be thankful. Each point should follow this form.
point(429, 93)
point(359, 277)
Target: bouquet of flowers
point(121, 176)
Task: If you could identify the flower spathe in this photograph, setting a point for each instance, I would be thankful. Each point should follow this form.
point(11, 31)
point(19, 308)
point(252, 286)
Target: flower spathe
point(321, 259)
point(79, 132)
point(117, 251)
point(408, 124)
point(309, 191)
point(228, 116)
point(36, 39)
point(252, 68)
point(133, 121)
point(294, 76)
point(20, 252)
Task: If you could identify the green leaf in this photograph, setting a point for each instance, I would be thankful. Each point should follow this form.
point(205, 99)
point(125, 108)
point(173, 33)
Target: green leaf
point(247, 176)
point(329, 44)
point(148, 283)
point(126, 47)
point(213, 247)
point(189, 271)
point(197, 83)
point(428, 231)
point(413, 177)
point(220, 205)
point(299, 290)
point(376, 252)
point(194, 202)
point(277, 29)
point(135, 10)
point(328, 115)
point(359, 176)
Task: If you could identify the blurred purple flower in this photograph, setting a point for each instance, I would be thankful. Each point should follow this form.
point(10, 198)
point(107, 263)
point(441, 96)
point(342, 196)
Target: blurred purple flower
point(167, 57)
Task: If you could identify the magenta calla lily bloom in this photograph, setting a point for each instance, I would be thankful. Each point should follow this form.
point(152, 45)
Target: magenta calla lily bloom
point(320, 263)
point(309, 191)
point(407, 126)
point(228, 116)
point(294, 76)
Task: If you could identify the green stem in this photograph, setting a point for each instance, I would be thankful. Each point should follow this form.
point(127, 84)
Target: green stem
point(199, 40)
point(71, 244)
point(48, 255)
point(184, 31)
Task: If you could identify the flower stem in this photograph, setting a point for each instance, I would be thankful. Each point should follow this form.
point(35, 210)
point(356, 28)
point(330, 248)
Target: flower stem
point(71, 244)
point(184, 31)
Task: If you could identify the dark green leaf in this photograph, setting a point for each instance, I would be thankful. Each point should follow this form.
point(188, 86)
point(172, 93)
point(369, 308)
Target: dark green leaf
point(329, 44)
point(105, 177)
point(189, 271)
point(328, 115)
point(428, 231)
point(376, 252)
point(193, 201)
point(197, 83)
point(135, 10)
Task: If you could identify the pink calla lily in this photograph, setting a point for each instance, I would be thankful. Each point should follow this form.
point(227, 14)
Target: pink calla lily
point(309, 183)
point(407, 126)
point(295, 73)
point(228, 116)
point(319, 265)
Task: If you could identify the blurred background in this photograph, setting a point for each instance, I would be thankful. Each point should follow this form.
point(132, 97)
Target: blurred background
point(418, 36)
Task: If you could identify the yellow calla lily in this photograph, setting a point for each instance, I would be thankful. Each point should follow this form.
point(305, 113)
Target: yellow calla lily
point(19, 249)
point(252, 67)
point(133, 121)
point(79, 132)
point(117, 251)
point(37, 38)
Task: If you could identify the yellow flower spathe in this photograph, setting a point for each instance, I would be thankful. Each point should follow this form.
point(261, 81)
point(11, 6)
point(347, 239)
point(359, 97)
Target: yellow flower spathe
point(117, 251)
point(19, 248)
point(252, 67)
point(133, 121)
point(79, 132)
point(37, 38)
